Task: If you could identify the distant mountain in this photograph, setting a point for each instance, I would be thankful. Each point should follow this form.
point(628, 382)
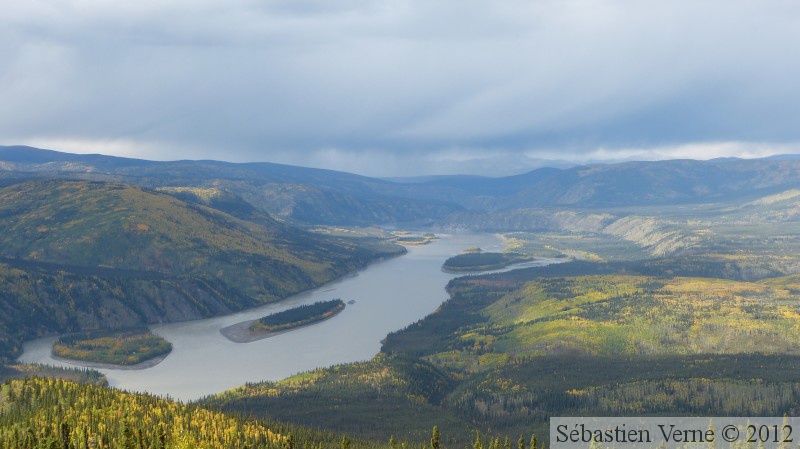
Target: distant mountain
point(318, 196)
point(80, 255)
point(784, 157)
point(296, 193)
point(625, 184)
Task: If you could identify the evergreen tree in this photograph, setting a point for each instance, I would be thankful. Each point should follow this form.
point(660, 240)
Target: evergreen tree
point(392, 442)
point(478, 444)
point(64, 435)
point(435, 438)
point(126, 440)
point(521, 442)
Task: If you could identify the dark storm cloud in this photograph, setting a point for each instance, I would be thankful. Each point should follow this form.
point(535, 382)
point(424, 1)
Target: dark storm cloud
point(402, 86)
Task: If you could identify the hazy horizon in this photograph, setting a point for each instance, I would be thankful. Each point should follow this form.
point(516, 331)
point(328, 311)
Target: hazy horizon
point(559, 164)
point(403, 88)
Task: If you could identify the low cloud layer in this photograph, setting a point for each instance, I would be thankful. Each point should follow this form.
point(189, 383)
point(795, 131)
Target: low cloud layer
point(402, 87)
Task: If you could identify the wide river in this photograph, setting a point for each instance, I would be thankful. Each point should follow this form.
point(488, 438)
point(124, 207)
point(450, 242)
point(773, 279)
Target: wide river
point(388, 295)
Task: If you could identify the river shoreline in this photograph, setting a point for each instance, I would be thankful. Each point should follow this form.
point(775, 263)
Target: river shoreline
point(391, 294)
point(97, 365)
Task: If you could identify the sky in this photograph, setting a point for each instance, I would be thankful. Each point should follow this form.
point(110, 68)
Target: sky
point(402, 87)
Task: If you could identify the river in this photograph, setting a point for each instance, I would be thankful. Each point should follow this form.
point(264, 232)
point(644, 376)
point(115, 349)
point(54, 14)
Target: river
point(388, 295)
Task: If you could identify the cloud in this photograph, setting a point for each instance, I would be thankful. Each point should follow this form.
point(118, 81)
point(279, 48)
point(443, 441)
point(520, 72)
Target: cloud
point(406, 81)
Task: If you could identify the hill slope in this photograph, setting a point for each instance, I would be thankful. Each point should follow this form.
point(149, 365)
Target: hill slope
point(83, 255)
point(48, 413)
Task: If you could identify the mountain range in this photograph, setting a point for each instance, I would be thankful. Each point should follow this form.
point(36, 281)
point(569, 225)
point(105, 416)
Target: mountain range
point(316, 196)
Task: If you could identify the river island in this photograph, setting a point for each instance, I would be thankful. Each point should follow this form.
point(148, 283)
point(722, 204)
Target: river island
point(124, 349)
point(278, 323)
point(478, 260)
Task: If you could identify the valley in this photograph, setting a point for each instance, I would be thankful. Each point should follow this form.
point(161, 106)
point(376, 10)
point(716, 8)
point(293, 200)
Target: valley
point(389, 295)
point(675, 297)
point(276, 224)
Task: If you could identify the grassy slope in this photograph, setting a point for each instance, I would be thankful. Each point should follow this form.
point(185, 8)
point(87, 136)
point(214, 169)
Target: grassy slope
point(97, 224)
point(491, 321)
point(609, 345)
point(83, 255)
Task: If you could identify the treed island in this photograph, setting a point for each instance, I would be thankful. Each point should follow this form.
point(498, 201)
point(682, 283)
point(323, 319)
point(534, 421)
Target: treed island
point(678, 296)
point(122, 348)
point(297, 317)
point(474, 259)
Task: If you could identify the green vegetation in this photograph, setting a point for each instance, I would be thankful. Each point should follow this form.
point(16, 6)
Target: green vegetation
point(506, 353)
point(689, 307)
point(39, 413)
point(413, 240)
point(298, 316)
point(590, 246)
point(610, 344)
point(53, 413)
point(72, 374)
point(405, 238)
point(125, 348)
point(687, 312)
point(512, 349)
point(78, 256)
point(604, 315)
point(481, 261)
point(376, 399)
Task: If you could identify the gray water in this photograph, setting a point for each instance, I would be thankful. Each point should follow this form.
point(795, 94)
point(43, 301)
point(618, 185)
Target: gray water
point(388, 296)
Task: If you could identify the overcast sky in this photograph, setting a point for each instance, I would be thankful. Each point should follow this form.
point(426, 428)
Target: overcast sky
point(402, 87)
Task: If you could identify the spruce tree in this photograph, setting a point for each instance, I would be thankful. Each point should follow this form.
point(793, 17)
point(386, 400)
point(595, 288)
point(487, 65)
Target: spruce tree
point(478, 444)
point(65, 435)
point(435, 438)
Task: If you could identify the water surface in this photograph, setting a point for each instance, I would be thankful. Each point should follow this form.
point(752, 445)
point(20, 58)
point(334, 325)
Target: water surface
point(388, 296)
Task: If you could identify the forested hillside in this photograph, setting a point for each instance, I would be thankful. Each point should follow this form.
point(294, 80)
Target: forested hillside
point(48, 413)
point(618, 331)
point(77, 255)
